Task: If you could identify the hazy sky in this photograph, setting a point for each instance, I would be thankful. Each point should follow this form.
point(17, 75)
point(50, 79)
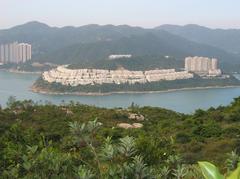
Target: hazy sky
point(145, 13)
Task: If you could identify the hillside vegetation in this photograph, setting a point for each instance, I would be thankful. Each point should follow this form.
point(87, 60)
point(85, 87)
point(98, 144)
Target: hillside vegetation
point(227, 39)
point(135, 63)
point(49, 141)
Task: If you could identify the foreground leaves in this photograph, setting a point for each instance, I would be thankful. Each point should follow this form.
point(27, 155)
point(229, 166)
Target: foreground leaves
point(210, 171)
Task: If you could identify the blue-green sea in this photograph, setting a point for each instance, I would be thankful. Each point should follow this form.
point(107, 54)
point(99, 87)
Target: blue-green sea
point(18, 85)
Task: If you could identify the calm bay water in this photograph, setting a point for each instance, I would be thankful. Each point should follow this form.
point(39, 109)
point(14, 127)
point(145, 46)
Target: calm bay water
point(18, 85)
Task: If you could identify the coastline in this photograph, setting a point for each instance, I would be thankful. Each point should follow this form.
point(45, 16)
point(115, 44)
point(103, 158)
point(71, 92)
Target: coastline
point(21, 72)
point(47, 92)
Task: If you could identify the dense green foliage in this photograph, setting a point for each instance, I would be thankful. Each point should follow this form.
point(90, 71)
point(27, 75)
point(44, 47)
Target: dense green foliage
point(43, 85)
point(210, 171)
point(49, 141)
point(134, 63)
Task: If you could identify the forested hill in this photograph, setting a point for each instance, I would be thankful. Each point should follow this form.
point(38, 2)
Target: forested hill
point(45, 140)
point(47, 39)
point(226, 39)
point(146, 62)
point(94, 42)
point(161, 44)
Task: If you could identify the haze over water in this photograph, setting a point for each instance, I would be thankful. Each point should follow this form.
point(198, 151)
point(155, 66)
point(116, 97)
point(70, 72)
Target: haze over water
point(188, 101)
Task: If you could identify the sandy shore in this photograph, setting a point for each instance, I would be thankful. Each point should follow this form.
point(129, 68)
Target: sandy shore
point(43, 91)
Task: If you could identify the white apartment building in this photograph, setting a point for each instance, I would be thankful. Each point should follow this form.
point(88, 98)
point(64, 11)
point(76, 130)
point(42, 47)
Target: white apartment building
point(71, 77)
point(117, 56)
point(202, 66)
point(15, 52)
point(2, 53)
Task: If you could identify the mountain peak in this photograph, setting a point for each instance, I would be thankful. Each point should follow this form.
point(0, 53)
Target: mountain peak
point(33, 25)
point(195, 26)
point(187, 26)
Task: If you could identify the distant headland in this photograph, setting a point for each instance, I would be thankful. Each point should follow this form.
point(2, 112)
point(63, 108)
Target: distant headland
point(199, 72)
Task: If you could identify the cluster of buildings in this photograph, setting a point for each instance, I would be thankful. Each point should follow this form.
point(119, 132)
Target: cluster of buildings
point(114, 57)
point(205, 67)
point(202, 66)
point(71, 77)
point(15, 52)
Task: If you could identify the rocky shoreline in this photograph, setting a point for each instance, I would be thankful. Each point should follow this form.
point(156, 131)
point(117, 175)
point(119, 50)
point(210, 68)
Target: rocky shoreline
point(49, 92)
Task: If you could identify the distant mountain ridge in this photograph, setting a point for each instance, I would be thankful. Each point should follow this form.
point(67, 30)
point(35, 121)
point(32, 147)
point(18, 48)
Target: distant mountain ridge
point(95, 42)
point(46, 38)
point(228, 40)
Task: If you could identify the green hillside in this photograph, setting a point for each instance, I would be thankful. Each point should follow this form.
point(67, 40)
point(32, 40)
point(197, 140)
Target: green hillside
point(161, 44)
point(45, 140)
point(226, 39)
point(146, 62)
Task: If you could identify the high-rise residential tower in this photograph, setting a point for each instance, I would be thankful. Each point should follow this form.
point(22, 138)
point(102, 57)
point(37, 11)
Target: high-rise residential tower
point(2, 54)
point(6, 53)
point(202, 66)
point(15, 53)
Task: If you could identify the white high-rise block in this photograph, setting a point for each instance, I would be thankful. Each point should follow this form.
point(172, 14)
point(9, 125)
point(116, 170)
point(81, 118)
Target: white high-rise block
point(20, 53)
point(15, 52)
point(214, 64)
point(6, 54)
point(188, 63)
point(117, 56)
point(29, 52)
point(202, 65)
point(11, 47)
point(2, 54)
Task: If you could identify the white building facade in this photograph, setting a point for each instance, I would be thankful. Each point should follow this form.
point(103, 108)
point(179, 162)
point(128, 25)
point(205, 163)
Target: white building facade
point(77, 77)
point(15, 52)
point(118, 56)
point(202, 66)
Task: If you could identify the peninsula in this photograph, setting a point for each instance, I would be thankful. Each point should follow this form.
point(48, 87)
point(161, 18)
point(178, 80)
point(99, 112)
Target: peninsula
point(70, 77)
point(62, 80)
